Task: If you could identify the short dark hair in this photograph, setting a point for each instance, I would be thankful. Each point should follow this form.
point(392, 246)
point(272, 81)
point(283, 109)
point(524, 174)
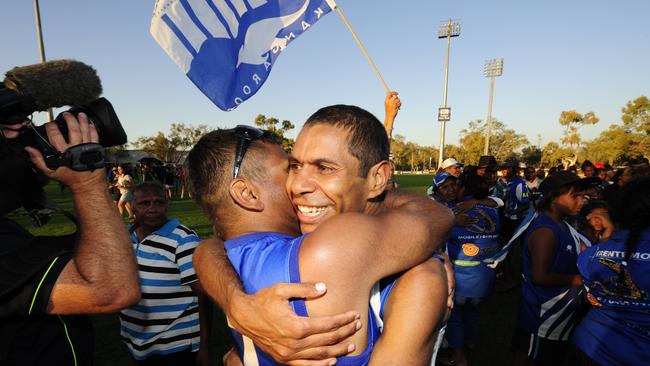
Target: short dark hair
point(367, 139)
point(545, 202)
point(151, 185)
point(477, 186)
point(586, 164)
point(210, 162)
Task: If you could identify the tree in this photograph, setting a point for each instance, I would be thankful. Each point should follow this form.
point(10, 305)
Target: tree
point(185, 137)
point(170, 147)
point(572, 121)
point(271, 124)
point(159, 146)
point(504, 142)
point(636, 119)
point(553, 154)
point(411, 156)
point(531, 155)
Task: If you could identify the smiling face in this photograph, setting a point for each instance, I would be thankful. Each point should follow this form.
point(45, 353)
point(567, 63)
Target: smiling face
point(448, 190)
point(324, 177)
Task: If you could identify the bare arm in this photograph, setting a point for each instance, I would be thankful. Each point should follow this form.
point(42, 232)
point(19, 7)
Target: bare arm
point(276, 329)
point(368, 248)
point(102, 275)
point(541, 245)
point(413, 314)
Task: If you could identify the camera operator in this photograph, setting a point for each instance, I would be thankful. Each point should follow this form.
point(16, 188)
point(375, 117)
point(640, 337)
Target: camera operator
point(45, 280)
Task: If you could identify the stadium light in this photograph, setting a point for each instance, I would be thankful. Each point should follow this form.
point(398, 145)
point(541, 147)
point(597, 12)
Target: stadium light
point(447, 29)
point(491, 69)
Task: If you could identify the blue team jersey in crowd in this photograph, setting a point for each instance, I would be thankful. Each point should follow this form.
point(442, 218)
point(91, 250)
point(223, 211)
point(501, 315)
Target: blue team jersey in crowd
point(469, 246)
point(264, 259)
point(616, 330)
point(516, 196)
point(550, 311)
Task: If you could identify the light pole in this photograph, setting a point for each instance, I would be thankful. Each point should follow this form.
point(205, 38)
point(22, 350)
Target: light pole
point(492, 69)
point(41, 46)
point(447, 30)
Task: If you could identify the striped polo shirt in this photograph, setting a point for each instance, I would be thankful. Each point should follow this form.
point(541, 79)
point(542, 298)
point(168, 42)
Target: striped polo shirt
point(166, 320)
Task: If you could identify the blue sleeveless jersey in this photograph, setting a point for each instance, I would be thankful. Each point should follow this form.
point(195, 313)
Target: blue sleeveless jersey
point(616, 330)
point(516, 196)
point(469, 246)
point(550, 311)
point(264, 259)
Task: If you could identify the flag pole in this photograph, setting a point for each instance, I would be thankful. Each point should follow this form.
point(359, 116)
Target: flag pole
point(363, 49)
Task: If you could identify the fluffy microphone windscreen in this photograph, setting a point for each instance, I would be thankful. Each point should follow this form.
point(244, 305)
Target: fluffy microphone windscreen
point(55, 83)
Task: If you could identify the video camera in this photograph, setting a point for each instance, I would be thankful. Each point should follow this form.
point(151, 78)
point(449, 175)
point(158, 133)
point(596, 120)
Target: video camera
point(33, 88)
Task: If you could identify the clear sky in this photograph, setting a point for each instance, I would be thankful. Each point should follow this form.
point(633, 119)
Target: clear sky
point(559, 55)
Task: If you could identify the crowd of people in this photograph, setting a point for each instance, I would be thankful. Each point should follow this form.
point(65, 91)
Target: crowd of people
point(318, 259)
point(563, 223)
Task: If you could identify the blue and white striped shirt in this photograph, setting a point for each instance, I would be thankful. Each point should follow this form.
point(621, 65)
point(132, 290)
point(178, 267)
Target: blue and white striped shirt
point(166, 319)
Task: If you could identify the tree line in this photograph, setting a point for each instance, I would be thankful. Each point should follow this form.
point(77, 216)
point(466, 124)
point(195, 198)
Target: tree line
point(621, 142)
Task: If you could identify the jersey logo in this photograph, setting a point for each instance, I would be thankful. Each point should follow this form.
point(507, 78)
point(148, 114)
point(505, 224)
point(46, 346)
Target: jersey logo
point(470, 249)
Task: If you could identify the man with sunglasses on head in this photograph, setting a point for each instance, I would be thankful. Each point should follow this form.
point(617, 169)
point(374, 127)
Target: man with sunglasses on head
point(337, 172)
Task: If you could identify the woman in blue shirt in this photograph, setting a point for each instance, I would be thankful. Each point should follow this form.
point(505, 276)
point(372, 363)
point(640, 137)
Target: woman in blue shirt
point(616, 275)
point(550, 294)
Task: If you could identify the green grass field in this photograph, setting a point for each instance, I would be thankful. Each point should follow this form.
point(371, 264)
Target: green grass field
point(496, 325)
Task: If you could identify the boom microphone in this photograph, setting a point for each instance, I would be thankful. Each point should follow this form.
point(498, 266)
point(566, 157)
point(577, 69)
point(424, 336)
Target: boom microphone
point(51, 84)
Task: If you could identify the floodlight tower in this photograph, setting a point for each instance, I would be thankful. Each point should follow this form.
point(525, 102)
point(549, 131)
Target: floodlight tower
point(492, 69)
point(447, 30)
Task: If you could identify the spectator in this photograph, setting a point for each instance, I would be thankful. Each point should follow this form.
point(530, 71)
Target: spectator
point(541, 174)
point(591, 221)
point(445, 189)
point(588, 169)
point(125, 185)
point(452, 167)
point(610, 191)
point(532, 181)
point(634, 171)
point(182, 181)
point(171, 321)
point(616, 275)
point(601, 170)
point(467, 247)
point(551, 288)
point(516, 207)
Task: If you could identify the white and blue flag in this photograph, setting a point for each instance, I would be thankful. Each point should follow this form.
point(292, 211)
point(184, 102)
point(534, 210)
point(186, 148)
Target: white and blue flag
point(227, 47)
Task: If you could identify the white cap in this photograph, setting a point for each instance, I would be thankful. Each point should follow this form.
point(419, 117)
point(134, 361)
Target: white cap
point(450, 162)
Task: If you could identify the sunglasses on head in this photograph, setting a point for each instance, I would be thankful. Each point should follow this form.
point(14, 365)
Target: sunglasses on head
point(246, 135)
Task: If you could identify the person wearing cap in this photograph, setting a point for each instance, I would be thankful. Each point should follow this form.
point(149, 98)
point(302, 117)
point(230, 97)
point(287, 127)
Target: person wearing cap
point(444, 189)
point(452, 166)
point(551, 290)
point(601, 172)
